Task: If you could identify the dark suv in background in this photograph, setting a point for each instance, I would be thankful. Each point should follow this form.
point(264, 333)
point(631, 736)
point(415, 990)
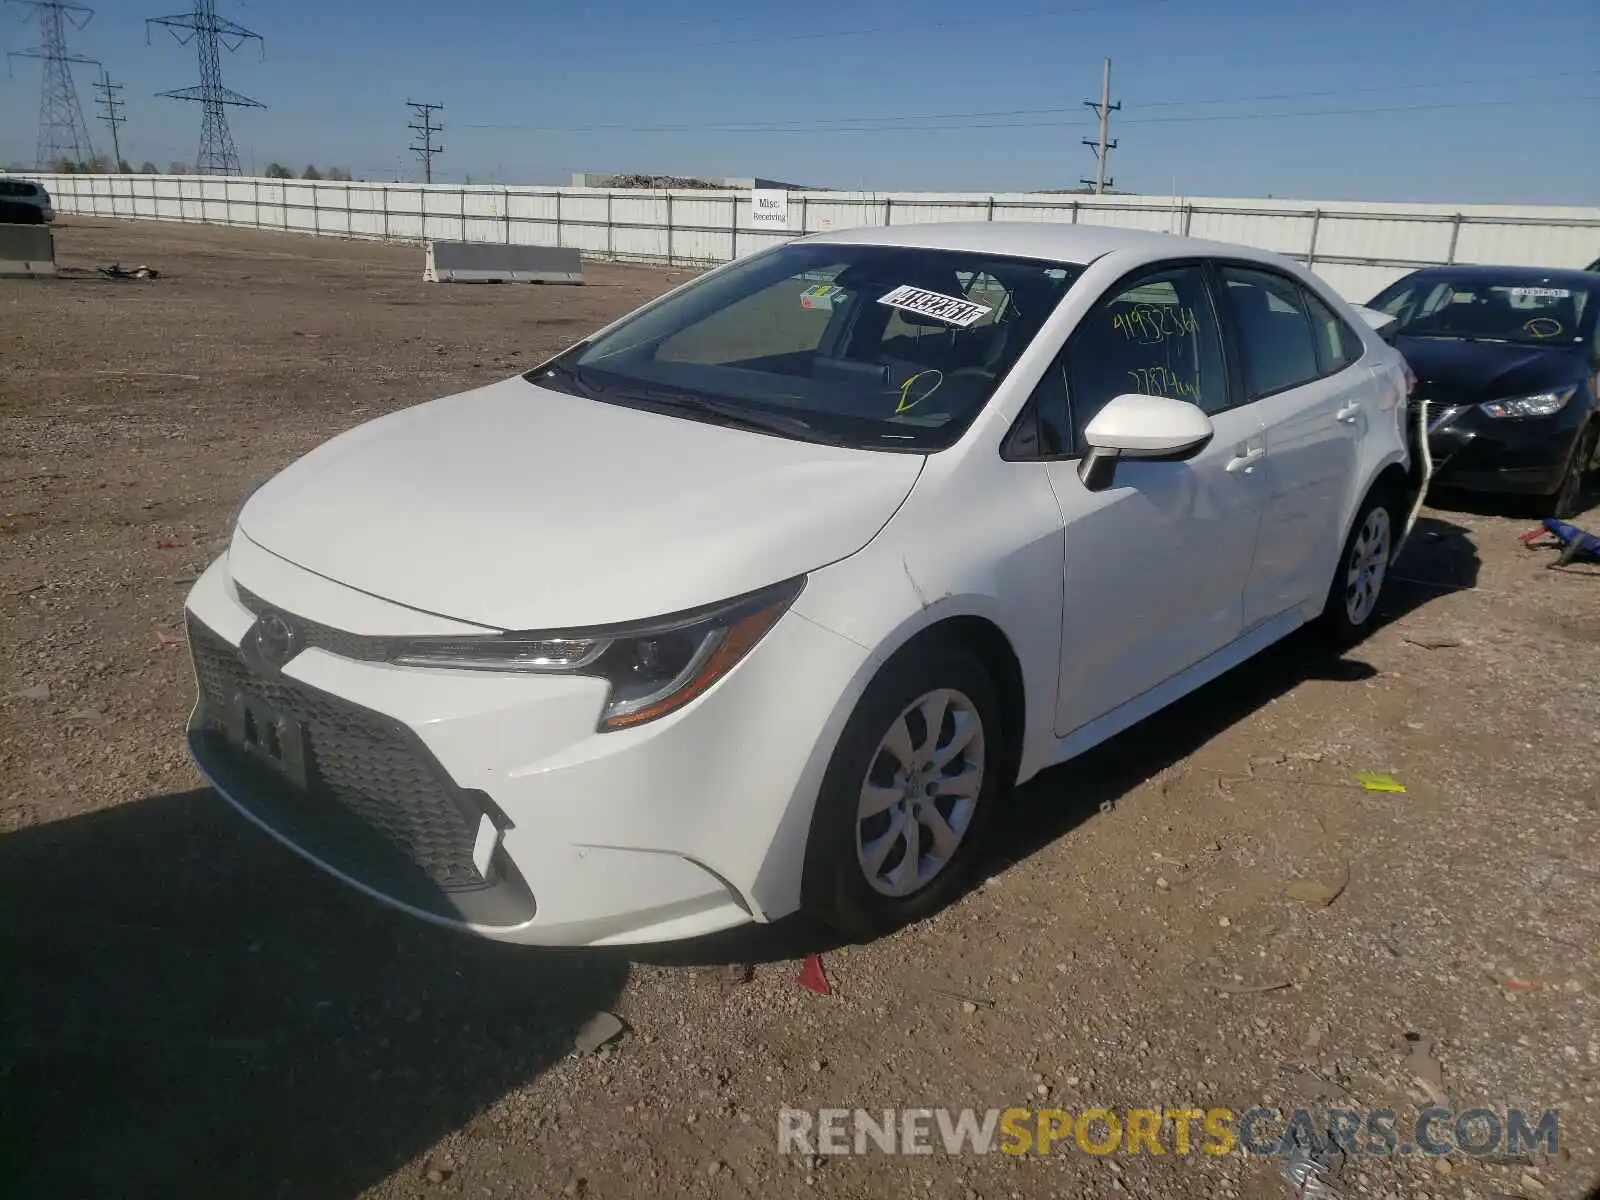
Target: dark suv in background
point(24, 202)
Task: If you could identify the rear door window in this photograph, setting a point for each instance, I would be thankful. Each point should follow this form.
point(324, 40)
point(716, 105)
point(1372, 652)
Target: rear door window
point(1337, 344)
point(1270, 322)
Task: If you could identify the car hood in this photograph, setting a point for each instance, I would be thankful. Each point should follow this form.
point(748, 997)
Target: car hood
point(1473, 372)
point(517, 507)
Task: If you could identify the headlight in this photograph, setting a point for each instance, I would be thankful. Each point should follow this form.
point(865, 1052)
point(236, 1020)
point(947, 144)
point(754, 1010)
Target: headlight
point(654, 668)
point(1543, 405)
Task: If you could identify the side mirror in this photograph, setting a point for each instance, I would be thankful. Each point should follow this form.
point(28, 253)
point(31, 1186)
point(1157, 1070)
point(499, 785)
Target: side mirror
point(1157, 428)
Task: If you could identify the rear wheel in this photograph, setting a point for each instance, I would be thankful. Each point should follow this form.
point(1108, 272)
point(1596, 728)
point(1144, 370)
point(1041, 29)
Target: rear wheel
point(1352, 601)
point(907, 795)
point(1568, 498)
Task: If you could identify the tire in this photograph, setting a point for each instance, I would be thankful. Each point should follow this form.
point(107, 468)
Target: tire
point(1347, 615)
point(839, 874)
point(1567, 501)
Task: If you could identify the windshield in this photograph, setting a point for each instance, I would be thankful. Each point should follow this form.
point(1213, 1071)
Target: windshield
point(1491, 308)
point(872, 346)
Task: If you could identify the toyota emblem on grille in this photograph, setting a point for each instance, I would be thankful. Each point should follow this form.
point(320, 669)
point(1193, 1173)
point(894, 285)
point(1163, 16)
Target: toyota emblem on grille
point(275, 638)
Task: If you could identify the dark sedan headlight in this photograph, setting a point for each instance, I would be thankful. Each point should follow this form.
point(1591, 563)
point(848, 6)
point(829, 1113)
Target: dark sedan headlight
point(654, 668)
point(1544, 404)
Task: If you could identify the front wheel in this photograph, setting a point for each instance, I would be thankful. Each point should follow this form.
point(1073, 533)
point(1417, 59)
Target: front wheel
point(907, 795)
point(1568, 499)
point(1352, 599)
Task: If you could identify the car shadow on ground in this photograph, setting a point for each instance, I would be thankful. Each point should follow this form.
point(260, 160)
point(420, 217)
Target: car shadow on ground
point(1531, 509)
point(1439, 558)
point(187, 1009)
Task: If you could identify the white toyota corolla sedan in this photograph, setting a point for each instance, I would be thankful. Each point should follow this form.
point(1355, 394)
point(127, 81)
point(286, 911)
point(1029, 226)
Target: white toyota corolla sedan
point(762, 597)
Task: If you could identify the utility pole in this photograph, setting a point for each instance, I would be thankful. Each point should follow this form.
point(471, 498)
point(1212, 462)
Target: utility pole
point(111, 109)
point(1102, 146)
point(425, 130)
point(63, 133)
point(202, 26)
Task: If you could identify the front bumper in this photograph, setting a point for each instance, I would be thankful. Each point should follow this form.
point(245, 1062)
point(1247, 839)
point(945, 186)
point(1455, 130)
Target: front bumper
point(488, 803)
point(1516, 456)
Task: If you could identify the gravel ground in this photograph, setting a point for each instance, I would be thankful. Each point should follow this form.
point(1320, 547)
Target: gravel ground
point(1208, 912)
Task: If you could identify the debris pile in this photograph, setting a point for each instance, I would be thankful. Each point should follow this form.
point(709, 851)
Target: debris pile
point(118, 271)
point(661, 181)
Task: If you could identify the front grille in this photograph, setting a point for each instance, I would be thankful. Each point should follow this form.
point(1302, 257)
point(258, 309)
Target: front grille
point(1436, 413)
point(313, 634)
point(360, 766)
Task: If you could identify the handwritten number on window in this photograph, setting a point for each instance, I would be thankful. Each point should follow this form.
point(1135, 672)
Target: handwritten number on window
point(1163, 381)
point(1151, 324)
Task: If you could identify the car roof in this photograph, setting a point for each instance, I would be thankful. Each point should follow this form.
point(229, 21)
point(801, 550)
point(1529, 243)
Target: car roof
point(1504, 274)
point(1053, 241)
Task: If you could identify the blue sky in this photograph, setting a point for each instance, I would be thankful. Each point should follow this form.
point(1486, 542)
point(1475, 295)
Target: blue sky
point(1502, 99)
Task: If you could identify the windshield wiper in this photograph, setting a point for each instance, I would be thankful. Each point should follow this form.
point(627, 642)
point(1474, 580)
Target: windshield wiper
point(1460, 337)
point(732, 414)
point(570, 372)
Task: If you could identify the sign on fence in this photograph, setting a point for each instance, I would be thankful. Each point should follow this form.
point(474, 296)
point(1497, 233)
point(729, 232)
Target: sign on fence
point(769, 208)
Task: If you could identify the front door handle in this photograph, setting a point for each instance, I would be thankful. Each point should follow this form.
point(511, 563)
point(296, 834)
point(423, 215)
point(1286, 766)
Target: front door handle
point(1349, 414)
point(1245, 463)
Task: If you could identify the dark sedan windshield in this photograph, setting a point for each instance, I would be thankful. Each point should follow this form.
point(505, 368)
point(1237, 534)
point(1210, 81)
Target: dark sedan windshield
point(1497, 307)
point(876, 346)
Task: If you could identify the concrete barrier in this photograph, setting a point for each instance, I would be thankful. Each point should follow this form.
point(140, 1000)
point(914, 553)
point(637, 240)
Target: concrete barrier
point(490, 262)
point(27, 250)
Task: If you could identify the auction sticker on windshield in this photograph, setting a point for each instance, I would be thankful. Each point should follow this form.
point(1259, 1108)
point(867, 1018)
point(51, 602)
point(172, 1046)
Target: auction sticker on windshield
point(934, 304)
point(821, 297)
point(1553, 293)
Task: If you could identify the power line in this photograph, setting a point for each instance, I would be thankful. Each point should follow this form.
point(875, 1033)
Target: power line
point(993, 19)
point(110, 113)
point(63, 133)
point(956, 121)
point(824, 124)
point(988, 20)
point(426, 129)
point(1363, 91)
point(654, 34)
point(218, 155)
point(1102, 146)
point(1350, 112)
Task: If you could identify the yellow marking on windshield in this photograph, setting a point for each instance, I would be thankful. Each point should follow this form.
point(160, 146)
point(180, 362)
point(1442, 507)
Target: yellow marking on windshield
point(906, 405)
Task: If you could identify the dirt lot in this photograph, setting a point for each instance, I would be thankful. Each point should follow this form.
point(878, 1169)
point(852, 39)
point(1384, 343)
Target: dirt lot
point(191, 1012)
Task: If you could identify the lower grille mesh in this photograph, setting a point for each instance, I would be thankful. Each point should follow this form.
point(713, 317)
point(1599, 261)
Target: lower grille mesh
point(357, 764)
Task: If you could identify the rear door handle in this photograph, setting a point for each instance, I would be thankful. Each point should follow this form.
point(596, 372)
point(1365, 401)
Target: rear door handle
point(1245, 463)
point(1349, 414)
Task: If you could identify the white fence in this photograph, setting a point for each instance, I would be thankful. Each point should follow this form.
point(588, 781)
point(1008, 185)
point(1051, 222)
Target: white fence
point(1359, 247)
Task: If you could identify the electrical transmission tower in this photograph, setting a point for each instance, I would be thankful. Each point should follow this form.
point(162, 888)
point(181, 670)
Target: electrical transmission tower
point(218, 155)
point(63, 133)
point(425, 130)
point(111, 114)
point(1101, 145)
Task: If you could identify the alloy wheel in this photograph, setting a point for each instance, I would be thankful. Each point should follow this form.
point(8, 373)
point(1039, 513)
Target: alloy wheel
point(1369, 561)
point(920, 793)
